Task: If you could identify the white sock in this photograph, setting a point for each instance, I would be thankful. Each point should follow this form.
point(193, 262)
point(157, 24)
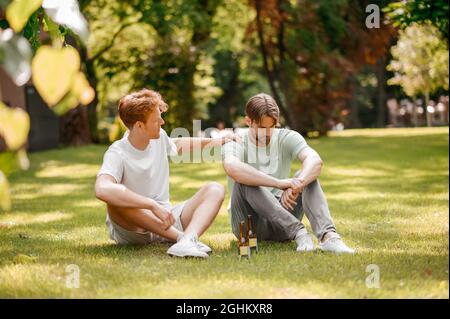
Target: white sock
point(180, 236)
point(191, 234)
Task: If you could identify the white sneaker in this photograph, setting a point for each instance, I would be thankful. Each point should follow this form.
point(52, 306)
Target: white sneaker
point(203, 247)
point(304, 243)
point(336, 245)
point(187, 246)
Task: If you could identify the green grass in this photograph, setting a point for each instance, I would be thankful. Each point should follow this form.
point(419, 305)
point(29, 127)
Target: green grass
point(387, 191)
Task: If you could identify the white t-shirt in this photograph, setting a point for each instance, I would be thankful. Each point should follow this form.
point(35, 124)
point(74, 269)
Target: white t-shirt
point(143, 172)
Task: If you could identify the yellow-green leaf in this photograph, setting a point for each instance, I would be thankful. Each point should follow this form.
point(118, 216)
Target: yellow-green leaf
point(54, 71)
point(82, 89)
point(14, 126)
point(69, 102)
point(53, 29)
point(81, 92)
point(22, 158)
point(19, 11)
point(5, 199)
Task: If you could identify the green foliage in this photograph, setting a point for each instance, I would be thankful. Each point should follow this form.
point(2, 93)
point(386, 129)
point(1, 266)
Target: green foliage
point(32, 30)
point(314, 49)
point(173, 47)
point(420, 61)
point(56, 75)
point(53, 29)
point(407, 12)
point(311, 52)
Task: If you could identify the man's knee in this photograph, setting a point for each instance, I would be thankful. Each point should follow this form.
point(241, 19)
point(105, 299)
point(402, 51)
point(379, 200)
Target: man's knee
point(312, 189)
point(215, 190)
point(244, 189)
point(241, 186)
point(313, 184)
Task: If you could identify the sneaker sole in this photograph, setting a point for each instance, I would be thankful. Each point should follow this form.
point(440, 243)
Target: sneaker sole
point(172, 254)
point(337, 252)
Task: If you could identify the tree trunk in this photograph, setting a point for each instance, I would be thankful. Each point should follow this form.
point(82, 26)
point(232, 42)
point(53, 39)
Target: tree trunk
point(354, 116)
point(380, 70)
point(414, 112)
point(270, 74)
point(74, 128)
point(222, 110)
point(91, 107)
point(79, 126)
point(427, 114)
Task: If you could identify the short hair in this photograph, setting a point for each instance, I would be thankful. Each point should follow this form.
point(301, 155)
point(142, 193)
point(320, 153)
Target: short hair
point(136, 106)
point(261, 105)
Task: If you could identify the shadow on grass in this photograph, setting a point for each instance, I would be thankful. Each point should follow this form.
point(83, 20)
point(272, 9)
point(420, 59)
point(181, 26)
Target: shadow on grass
point(370, 181)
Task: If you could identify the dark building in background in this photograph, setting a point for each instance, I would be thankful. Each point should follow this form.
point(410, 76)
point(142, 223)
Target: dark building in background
point(44, 124)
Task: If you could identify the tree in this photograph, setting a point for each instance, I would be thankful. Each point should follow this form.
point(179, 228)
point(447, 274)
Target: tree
point(54, 69)
point(407, 12)
point(39, 27)
point(420, 62)
point(163, 45)
point(311, 50)
point(177, 65)
point(236, 63)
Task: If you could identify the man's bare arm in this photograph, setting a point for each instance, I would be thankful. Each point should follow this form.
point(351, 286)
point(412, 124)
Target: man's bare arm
point(112, 193)
point(311, 166)
point(189, 144)
point(311, 169)
point(248, 175)
point(109, 191)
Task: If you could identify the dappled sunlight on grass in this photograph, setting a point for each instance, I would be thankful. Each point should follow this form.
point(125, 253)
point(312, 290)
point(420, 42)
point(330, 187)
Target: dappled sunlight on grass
point(58, 169)
point(25, 192)
point(363, 172)
point(407, 132)
point(18, 218)
point(79, 234)
point(91, 204)
point(219, 241)
point(22, 280)
point(185, 183)
point(387, 191)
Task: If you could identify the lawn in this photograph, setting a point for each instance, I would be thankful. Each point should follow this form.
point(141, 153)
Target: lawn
point(387, 191)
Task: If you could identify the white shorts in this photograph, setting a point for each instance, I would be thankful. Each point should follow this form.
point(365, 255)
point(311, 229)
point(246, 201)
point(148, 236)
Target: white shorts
point(123, 236)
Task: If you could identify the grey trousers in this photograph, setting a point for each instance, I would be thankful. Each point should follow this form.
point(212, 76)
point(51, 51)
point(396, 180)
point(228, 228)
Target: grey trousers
point(271, 220)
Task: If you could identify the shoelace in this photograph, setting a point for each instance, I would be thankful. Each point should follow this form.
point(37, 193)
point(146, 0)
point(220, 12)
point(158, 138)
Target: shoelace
point(337, 241)
point(196, 242)
point(194, 239)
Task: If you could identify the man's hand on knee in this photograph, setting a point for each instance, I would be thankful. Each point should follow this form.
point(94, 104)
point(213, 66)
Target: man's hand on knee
point(164, 215)
point(289, 199)
point(298, 185)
